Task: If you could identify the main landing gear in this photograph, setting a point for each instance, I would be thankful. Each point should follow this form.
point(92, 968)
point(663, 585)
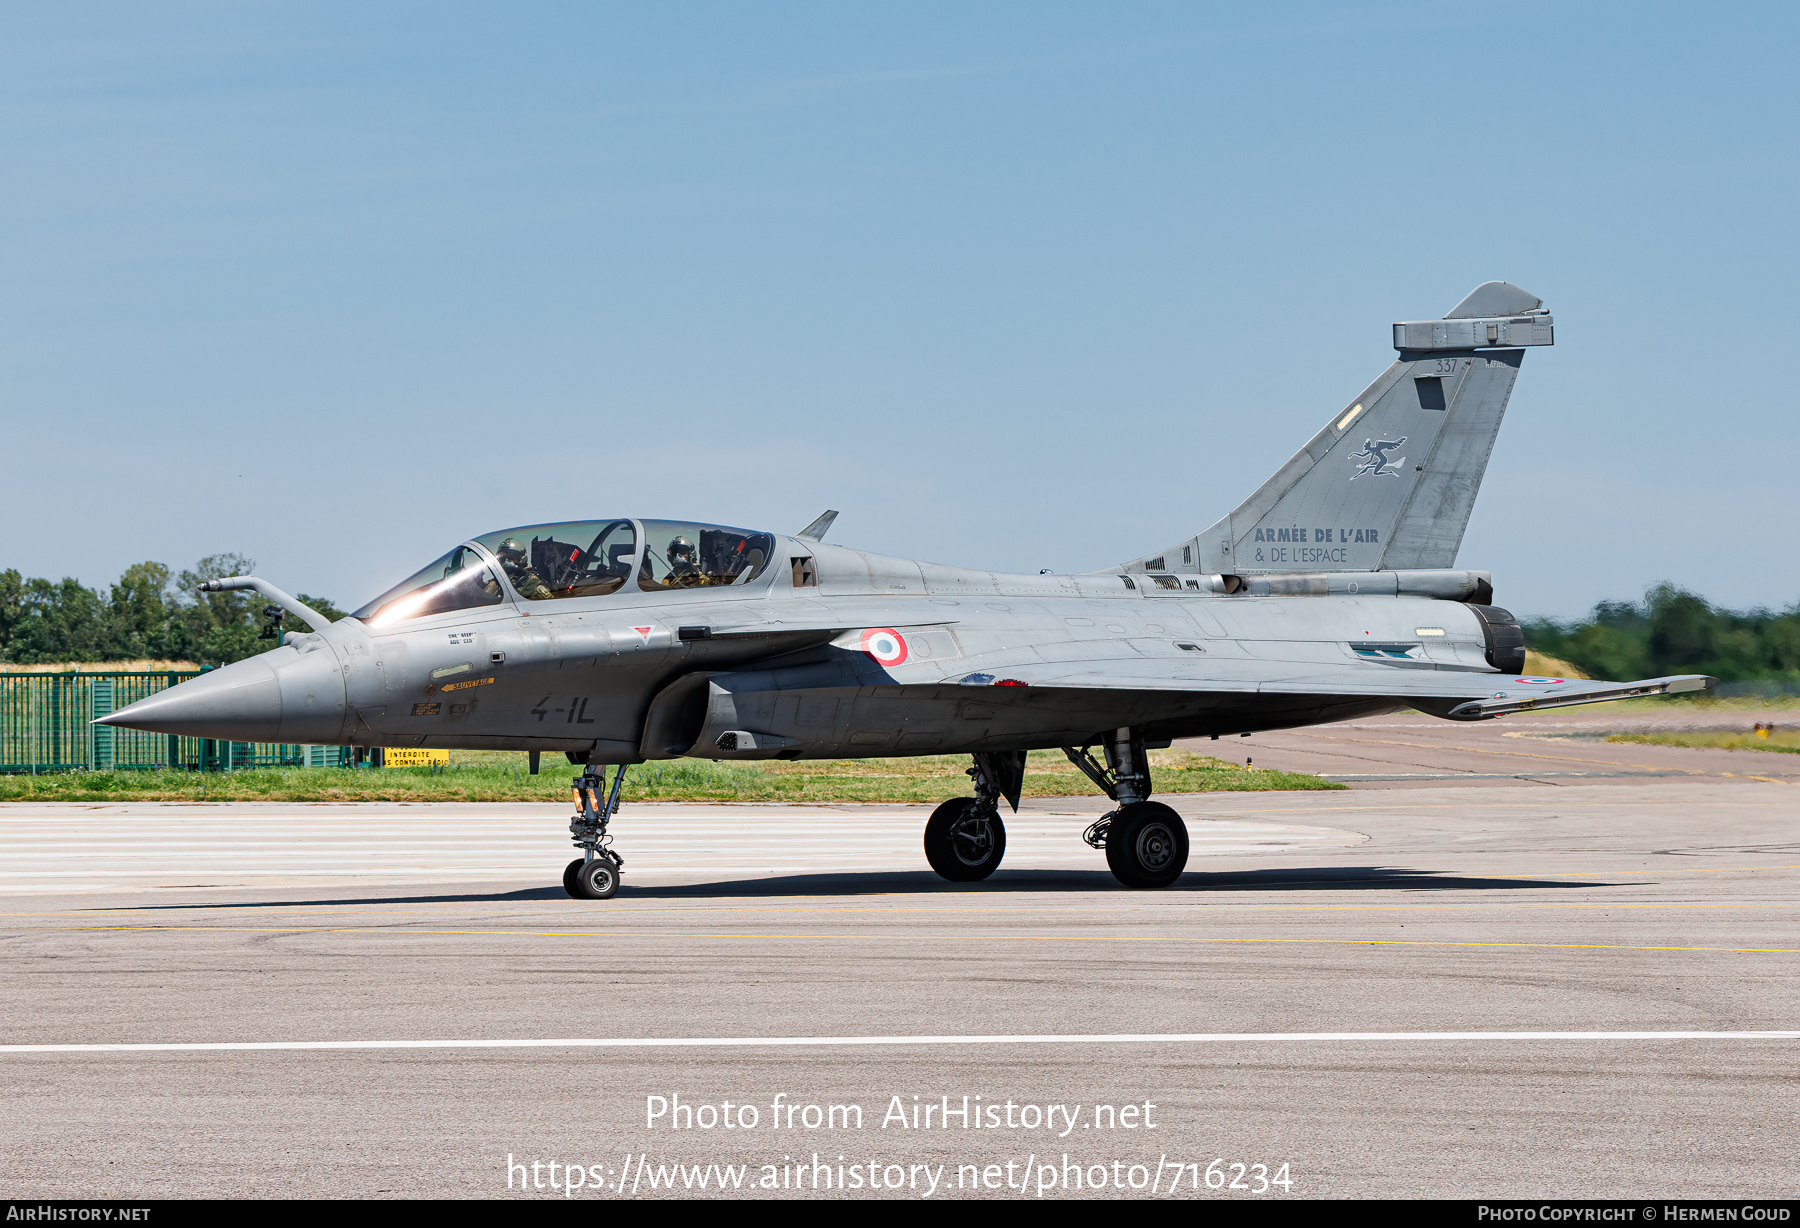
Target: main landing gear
point(595, 874)
point(1146, 842)
point(964, 838)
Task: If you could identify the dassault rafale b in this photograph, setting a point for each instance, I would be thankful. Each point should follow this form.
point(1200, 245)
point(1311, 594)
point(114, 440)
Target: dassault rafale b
point(1330, 593)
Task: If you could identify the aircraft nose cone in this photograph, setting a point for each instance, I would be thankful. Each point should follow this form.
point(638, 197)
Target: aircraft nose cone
point(239, 703)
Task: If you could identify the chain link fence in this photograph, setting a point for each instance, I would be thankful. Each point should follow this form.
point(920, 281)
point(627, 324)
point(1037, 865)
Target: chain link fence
point(46, 726)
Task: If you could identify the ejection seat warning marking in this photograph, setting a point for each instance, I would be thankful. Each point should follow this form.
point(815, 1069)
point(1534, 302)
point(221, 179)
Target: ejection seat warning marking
point(463, 686)
point(426, 709)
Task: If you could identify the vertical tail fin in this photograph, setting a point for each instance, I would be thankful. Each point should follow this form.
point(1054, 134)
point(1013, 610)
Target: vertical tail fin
point(1389, 482)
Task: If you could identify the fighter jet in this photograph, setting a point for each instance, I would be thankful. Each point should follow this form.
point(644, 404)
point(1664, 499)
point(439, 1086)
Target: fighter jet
point(1329, 593)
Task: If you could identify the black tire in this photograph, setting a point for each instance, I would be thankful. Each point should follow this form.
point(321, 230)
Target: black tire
point(1147, 845)
point(597, 879)
point(961, 844)
point(569, 872)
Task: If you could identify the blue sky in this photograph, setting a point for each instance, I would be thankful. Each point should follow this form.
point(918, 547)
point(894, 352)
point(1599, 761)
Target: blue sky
point(1013, 286)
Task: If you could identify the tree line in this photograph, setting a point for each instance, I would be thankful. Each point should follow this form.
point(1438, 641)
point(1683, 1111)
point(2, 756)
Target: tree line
point(150, 614)
point(147, 614)
point(1673, 631)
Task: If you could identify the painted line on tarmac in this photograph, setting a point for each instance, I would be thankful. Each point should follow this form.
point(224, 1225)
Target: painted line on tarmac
point(876, 908)
point(407, 931)
point(738, 1042)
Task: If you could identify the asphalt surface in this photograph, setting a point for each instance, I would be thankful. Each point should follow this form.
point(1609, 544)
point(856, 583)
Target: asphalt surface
point(1534, 749)
point(1610, 915)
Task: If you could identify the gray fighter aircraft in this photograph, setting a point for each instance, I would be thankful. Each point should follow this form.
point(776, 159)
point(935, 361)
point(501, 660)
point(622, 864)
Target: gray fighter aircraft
point(1329, 593)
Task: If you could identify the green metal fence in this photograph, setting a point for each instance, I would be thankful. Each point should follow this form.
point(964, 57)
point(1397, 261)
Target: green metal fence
point(46, 726)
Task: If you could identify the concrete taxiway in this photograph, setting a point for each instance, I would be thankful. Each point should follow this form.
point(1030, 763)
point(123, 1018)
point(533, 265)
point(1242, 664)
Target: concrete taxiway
point(1534, 749)
point(1585, 988)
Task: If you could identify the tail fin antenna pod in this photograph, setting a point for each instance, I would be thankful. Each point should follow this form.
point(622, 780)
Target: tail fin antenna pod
point(1390, 481)
point(818, 528)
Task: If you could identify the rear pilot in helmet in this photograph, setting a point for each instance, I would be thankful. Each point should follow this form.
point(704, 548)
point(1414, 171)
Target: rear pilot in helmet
point(684, 564)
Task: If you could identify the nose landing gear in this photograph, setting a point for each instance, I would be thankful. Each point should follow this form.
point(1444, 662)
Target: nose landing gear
point(964, 838)
point(1146, 842)
point(595, 874)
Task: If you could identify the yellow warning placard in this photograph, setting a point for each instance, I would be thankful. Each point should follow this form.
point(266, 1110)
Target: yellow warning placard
point(413, 756)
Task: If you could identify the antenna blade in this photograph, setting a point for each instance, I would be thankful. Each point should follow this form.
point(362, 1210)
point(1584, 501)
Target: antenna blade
point(817, 529)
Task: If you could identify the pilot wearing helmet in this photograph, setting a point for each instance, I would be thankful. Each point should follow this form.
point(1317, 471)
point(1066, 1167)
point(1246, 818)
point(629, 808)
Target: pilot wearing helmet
point(525, 581)
point(684, 566)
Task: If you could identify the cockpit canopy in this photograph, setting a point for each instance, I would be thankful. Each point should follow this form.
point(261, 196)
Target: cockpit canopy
point(680, 555)
point(588, 558)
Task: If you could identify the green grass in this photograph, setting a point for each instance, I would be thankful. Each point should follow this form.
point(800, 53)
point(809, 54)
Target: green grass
point(501, 776)
point(1781, 742)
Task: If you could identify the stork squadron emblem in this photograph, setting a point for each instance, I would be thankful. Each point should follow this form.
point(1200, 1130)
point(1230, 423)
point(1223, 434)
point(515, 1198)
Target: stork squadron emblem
point(1374, 456)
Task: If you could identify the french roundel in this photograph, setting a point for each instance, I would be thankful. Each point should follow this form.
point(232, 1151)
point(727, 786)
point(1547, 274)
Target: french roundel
point(1540, 681)
point(885, 646)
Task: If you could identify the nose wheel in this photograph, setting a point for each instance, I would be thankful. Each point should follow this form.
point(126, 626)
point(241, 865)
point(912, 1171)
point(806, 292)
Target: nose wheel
point(964, 840)
point(595, 874)
point(592, 880)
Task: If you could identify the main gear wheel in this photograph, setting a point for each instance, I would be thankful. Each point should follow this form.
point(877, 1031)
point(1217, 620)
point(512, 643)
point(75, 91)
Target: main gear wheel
point(1146, 845)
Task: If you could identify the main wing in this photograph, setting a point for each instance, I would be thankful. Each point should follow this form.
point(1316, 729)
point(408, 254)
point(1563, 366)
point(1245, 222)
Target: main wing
point(1454, 694)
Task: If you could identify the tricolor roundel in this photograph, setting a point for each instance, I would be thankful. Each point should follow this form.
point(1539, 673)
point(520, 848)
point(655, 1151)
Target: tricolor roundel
point(1540, 681)
point(885, 646)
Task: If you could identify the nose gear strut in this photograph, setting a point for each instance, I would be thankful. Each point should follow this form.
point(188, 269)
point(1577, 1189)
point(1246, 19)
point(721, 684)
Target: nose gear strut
point(595, 874)
point(965, 837)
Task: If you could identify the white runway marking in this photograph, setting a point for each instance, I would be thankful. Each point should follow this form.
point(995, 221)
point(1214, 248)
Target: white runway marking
point(135, 847)
point(738, 1042)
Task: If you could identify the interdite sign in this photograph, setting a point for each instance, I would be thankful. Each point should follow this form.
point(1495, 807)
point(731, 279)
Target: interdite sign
point(412, 756)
